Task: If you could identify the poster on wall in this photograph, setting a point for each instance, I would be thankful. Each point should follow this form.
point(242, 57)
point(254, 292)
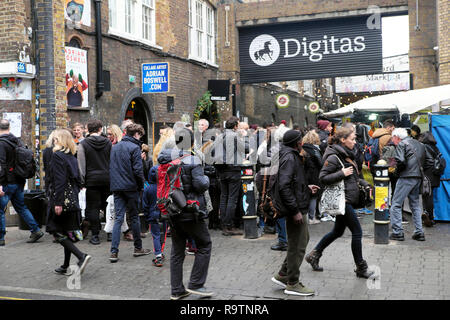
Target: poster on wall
point(76, 77)
point(78, 12)
point(15, 122)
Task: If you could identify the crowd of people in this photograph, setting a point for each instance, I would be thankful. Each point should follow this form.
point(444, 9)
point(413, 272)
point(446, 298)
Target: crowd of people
point(121, 179)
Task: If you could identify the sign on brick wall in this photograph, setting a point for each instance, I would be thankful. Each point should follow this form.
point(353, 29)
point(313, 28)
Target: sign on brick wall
point(309, 50)
point(155, 77)
point(76, 77)
point(78, 12)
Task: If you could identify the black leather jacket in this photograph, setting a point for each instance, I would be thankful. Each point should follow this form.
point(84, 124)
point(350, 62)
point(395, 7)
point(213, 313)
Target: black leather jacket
point(410, 155)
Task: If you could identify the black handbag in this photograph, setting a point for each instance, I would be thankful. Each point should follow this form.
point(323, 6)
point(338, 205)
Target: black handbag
point(71, 202)
point(364, 199)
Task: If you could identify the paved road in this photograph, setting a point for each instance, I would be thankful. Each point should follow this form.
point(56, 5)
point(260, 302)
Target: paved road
point(239, 269)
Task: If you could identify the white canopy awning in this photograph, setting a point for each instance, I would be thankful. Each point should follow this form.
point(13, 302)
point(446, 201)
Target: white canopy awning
point(404, 102)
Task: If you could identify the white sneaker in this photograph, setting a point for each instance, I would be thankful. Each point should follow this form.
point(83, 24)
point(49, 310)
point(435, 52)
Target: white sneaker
point(314, 221)
point(327, 218)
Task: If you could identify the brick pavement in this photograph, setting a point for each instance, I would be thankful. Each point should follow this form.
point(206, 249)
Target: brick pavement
point(239, 269)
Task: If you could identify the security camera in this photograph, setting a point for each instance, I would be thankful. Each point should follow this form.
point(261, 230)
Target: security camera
point(436, 48)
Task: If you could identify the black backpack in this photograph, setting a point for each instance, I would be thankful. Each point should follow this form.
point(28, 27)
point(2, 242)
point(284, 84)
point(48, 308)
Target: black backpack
point(24, 163)
point(439, 165)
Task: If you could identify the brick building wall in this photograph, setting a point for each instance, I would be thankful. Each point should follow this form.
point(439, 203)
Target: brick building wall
point(13, 21)
point(123, 57)
point(14, 46)
point(422, 40)
point(444, 41)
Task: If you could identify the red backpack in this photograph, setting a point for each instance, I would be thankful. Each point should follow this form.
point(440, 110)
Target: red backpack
point(170, 197)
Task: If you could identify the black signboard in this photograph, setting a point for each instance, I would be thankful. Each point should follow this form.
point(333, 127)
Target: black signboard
point(220, 89)
point(310, 50)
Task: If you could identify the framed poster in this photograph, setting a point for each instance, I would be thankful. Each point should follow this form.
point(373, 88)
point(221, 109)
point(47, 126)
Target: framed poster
point(78, 12)
point(76, 77)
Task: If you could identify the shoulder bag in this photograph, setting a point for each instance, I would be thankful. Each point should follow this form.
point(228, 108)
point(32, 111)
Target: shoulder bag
point(333, 197)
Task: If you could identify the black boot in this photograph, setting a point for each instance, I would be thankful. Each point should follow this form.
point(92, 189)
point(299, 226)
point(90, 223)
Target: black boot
point(362, 270)
point(313, 259)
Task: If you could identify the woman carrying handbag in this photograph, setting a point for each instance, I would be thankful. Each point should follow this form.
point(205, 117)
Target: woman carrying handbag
point(339, 165)
point(64, 186)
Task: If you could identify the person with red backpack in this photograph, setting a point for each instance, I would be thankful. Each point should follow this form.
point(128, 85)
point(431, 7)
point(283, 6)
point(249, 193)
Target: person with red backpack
point(181, 187)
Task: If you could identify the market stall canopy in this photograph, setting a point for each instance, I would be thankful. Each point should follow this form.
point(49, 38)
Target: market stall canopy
point(404, 102)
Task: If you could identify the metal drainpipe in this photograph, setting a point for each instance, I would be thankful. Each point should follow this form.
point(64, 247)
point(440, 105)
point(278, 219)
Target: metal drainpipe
point(98, 40)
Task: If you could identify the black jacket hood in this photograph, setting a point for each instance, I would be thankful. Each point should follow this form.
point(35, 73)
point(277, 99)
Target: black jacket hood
point(10, 138)
point(97, 142)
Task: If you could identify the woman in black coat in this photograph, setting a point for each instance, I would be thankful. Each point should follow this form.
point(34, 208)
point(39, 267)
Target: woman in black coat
point(313, 164)
point(63, 188)
point(339, 151)
point(429, 142)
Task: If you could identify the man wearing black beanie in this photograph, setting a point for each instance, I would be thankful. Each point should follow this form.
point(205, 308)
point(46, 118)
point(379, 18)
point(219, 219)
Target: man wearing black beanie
point(291, 198)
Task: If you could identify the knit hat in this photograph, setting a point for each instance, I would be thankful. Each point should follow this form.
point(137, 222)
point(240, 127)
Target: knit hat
point(283, 122)
point(291, 137)
point(323, 124)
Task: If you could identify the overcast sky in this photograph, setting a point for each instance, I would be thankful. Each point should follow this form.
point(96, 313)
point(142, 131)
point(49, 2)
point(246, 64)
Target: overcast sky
point(395, 32)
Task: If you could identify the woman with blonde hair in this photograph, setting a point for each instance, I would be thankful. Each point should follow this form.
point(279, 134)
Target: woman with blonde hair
point(114, 133)
point(313, 164)
point(166, 141)
point(64, 187)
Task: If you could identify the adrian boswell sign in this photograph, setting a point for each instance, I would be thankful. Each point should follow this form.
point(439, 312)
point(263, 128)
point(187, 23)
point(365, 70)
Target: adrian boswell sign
point(309, 50)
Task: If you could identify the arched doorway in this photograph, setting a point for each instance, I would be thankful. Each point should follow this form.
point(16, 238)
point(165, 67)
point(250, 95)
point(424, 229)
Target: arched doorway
point(136, 111)
point(139, 108)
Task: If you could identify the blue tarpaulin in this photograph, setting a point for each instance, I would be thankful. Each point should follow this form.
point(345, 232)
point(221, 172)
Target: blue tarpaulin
point(440, 127)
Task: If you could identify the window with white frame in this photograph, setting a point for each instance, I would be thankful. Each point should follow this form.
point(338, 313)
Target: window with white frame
point(201, 31)
point(133, 19)
point(190, 27)
point(148, 8)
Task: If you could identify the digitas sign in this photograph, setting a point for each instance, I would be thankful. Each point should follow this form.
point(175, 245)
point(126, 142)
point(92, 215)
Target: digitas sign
point(309, 50)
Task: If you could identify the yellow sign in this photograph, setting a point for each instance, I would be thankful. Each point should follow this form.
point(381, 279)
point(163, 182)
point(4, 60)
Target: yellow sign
point(381, 198)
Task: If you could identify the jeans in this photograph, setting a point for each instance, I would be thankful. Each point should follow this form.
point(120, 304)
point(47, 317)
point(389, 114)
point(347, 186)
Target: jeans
point(298, 238)
point(14, 192)
point(406, 187)
point(96, 201)
point(159, 239)
point(350, 220)
point(126, 201)
point(181, 232)
point(230, 184)
point(280, 226)
point(312, 208)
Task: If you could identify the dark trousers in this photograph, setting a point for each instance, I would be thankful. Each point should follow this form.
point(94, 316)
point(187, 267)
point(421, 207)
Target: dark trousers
point(230, 184)
point(214, 193)
point(350, 220)
point(96, 201)
point(181, 232)
point(428, 205)
point(298, 238)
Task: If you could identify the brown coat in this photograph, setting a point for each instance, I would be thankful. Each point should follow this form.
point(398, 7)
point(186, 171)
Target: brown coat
point(384, 135)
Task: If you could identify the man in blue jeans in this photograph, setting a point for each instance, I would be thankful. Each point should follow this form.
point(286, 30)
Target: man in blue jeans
point(11, 185)
point(126, 181)
point(412, 160)
point(280, 226)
